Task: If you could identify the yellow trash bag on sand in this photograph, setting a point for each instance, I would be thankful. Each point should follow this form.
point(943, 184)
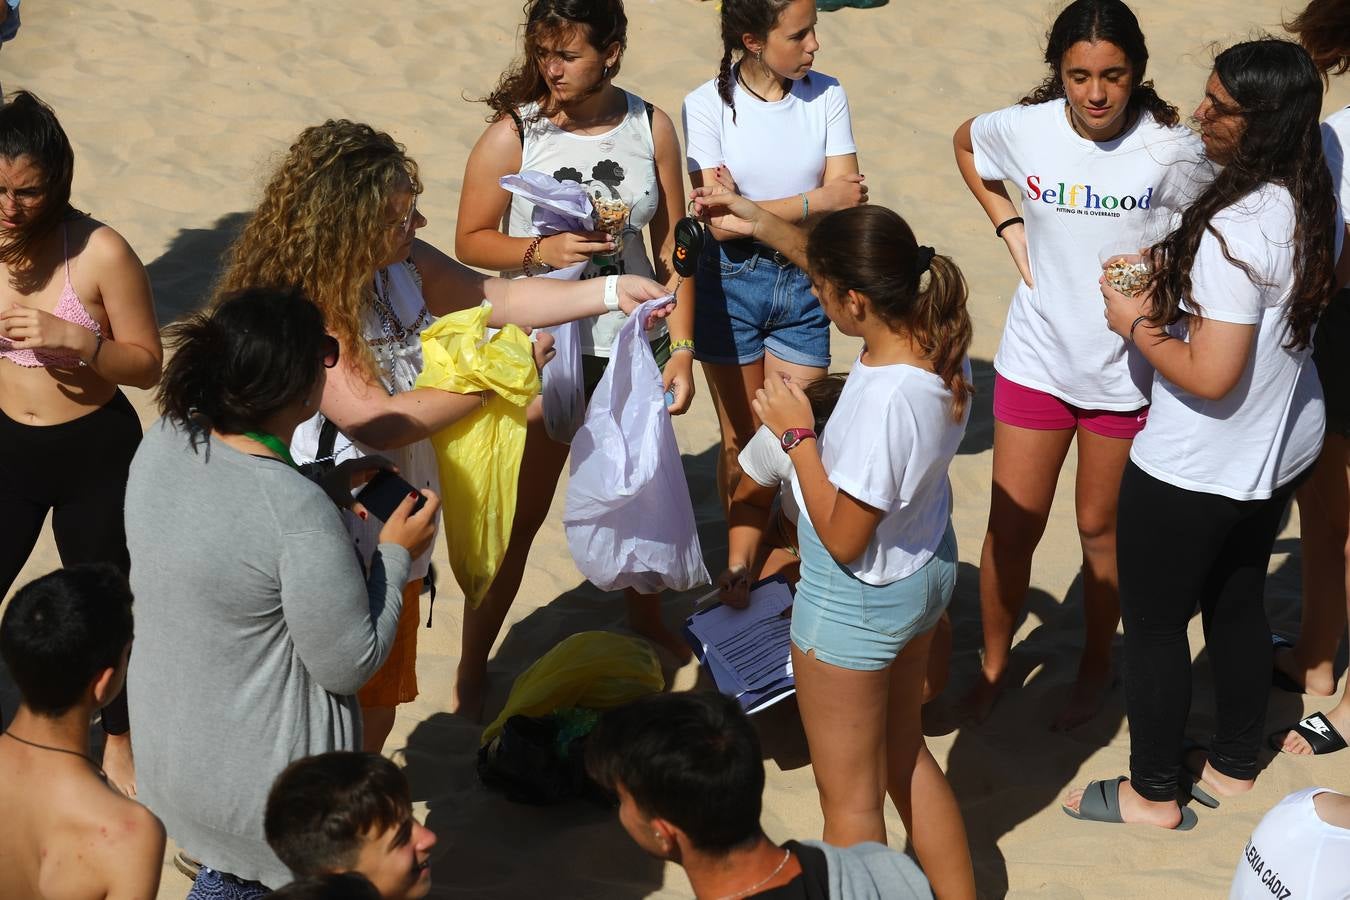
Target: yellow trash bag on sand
point(593, 669)
point(479, 456)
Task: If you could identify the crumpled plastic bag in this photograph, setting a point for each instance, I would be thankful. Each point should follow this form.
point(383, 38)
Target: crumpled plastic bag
point(479, 456)
point(593, 669)
point(629, 519)
point(559, 206)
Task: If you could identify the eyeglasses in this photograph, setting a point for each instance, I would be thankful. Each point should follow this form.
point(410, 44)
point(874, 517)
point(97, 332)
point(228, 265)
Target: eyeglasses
point(328, 351)
point(405, 224)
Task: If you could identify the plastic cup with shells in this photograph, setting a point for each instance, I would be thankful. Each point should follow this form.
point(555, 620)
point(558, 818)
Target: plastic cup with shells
point(1127, 268)
point(611, 217)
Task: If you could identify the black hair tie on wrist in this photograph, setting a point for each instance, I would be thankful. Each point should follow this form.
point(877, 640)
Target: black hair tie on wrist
point(1008, 223)
point(923, 258)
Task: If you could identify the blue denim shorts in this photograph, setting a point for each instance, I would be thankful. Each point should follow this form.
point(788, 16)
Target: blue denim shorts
point(860, 626)
point(749, 299)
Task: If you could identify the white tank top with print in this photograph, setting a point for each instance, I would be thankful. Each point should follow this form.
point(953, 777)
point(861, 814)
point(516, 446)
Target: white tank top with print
point(619, 164)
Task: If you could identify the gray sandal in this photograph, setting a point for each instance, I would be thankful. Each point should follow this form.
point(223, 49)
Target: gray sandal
point(1101, 803)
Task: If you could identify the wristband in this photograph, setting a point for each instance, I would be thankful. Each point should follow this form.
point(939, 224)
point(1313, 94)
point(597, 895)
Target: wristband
point(806, 207)
point(612, 293)
point(1135, 324)
point(682, 344)
point(1007, 223)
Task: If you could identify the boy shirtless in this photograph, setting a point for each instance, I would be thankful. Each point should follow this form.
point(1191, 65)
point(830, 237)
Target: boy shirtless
point(64, 832)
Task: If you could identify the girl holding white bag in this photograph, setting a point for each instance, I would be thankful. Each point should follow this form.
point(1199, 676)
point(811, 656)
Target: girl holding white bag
point(557, 111)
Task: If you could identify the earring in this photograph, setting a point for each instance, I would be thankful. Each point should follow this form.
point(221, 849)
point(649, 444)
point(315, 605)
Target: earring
point(605, 73)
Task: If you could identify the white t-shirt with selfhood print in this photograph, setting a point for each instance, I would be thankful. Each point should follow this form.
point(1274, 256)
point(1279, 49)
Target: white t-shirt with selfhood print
point(1268, 428)
point(889, 444)
point(1078, 198)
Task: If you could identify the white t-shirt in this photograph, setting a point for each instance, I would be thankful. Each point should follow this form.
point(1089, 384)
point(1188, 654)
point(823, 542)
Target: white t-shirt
point(767, 464)
point(773, 150)
point(1335, 144)
point(617, 165)
point(1078, 198)
point(1269, 427)
point(889, 443)
point(1294, 855)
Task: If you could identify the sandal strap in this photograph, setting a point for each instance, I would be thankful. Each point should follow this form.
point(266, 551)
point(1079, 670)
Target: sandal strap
point(1320, 734)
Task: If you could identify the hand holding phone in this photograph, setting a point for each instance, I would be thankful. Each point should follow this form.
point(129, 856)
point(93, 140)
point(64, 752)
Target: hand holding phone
point(412, 524)
point(383, 493)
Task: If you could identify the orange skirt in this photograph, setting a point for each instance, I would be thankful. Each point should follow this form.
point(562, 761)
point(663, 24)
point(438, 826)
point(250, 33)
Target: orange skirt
point(396, 680)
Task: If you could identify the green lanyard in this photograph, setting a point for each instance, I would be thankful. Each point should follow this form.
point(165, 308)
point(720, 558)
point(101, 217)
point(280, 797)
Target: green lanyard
point(273, 443)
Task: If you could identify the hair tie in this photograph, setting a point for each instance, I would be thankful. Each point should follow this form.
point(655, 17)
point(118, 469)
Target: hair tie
point(923, 258)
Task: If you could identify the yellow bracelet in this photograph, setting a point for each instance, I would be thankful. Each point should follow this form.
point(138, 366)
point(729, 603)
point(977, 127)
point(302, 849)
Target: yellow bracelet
point(682, 344)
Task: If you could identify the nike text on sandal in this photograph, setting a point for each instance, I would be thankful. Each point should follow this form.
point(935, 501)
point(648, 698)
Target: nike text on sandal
point(1101, 803)
point(1317, 730)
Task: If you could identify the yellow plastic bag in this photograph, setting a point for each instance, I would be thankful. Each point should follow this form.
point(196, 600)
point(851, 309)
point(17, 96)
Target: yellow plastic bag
point(594, 669)
point(479, 456)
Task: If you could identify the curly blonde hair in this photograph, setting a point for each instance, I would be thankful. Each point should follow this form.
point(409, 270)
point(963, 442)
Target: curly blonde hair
point(322, 226)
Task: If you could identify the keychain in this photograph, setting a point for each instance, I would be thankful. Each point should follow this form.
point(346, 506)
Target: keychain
point(688, 244)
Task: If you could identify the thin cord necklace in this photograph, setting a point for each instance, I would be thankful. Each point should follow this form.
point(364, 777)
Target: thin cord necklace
point(787, 854)
point(754, 93)
point(83, 756)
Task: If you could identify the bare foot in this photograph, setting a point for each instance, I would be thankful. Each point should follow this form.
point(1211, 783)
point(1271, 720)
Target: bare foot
point(1197, 763)
point(466, 698)
point(979, 700)
point(1085, 700)
point(1134, 809)
point(118, 763)
point(1318, 681)
point(1340, 720)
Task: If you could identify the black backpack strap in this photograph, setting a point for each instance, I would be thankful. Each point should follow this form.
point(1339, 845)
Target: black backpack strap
point(651, 111)
point(328, 433)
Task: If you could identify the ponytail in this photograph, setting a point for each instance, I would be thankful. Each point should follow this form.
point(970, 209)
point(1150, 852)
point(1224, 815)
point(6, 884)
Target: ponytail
point(233, 367)
point(872, 250)
point(940, 325)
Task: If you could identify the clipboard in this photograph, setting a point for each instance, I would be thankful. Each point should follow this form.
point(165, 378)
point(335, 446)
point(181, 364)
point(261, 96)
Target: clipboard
point(765, 691)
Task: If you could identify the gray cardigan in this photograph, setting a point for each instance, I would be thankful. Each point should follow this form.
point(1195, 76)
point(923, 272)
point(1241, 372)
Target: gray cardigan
point(255, 626)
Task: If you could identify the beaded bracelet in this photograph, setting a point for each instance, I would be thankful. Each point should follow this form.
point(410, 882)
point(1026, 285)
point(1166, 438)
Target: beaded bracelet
point(531, 256)
point(682, 344)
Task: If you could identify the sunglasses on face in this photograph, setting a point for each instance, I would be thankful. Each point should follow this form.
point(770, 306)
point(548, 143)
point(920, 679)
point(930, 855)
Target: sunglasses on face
point(328, 351)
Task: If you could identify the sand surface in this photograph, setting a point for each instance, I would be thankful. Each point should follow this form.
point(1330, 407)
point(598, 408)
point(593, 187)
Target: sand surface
point(177, 109)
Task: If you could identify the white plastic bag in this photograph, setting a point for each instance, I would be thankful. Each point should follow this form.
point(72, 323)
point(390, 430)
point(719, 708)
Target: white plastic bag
point(629, 519)
point(559, 206)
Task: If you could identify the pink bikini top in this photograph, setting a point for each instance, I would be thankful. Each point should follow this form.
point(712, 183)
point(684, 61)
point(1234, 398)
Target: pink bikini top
point(68, 308)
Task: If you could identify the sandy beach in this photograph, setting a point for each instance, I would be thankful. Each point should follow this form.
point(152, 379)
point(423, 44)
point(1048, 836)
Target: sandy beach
point(178, 109)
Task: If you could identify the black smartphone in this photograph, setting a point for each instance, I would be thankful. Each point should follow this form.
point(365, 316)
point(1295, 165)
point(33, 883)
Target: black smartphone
point(383, 493)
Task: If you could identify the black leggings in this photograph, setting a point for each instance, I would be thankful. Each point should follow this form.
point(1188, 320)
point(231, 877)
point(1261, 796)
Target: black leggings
point(1176, 548)
point(78, 471)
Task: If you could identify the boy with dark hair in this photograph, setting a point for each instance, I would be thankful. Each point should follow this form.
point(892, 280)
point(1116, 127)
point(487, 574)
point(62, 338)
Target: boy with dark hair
point(350, 812)
point(689, 777)
point(65, 832)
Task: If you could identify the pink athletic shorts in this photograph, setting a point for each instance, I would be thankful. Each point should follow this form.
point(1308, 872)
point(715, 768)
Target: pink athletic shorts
point(1027, 407)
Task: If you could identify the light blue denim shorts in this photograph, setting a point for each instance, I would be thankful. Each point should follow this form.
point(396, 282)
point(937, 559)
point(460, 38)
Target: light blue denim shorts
point(855, 625)
point(750, 299)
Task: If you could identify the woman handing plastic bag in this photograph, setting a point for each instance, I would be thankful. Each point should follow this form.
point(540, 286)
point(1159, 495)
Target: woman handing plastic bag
point(629, 519)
